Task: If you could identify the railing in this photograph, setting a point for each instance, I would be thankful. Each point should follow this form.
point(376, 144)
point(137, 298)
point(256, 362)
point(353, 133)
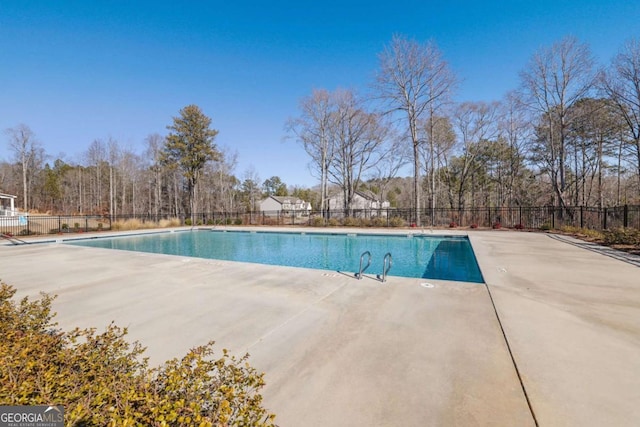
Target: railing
point(540, 217)
point(362, 270)
point(387, 262)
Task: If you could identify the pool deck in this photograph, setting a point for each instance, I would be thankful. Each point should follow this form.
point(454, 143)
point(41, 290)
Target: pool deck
point(344, 352)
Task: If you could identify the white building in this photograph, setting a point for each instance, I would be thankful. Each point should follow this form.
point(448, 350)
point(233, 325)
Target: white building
point(9, 215)
point(284, 205)
point(7, 205)
point(364, 202)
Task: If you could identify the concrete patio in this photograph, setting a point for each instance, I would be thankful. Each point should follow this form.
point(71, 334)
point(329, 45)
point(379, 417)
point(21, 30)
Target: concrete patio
point(341, 352)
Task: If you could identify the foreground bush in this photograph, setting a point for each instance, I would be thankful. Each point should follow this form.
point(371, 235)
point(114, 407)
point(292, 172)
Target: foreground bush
point(101, 379)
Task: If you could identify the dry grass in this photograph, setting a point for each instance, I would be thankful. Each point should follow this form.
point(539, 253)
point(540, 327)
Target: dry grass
point(136, 224)
point(172, 222)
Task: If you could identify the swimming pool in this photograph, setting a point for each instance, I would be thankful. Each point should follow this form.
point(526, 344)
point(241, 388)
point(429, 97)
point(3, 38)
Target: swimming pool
point(419, 256)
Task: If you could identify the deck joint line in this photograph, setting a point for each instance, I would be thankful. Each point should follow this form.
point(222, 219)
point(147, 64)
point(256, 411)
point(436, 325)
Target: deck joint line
point(513, 360)
point(298, 314)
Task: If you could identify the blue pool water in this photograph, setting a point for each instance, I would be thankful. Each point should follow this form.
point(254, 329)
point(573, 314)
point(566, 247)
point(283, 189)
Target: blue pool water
point(429, 257)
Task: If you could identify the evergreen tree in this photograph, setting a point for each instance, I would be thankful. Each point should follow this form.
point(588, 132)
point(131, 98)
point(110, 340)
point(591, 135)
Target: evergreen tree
point(190, 146)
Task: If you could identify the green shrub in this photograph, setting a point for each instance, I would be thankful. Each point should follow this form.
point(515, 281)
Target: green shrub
point(187, 221)
point(622, 236)
point(570, 229)
point(238, 221)
point(102, 380)
point(594, 234)
point(333, 222)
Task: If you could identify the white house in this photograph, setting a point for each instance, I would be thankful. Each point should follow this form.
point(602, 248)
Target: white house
point(364, 201)
point(9, 215)
point(284, 205)
point(7, 205)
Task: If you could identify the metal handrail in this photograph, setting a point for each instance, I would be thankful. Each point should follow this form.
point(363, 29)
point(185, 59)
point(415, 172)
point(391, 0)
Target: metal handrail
point(385, 267)
point(359, 273)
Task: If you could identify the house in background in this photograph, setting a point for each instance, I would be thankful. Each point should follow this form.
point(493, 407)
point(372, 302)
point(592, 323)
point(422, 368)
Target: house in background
point(10, 217)
point(364, 204)
point(7, 205)
point(284, 205)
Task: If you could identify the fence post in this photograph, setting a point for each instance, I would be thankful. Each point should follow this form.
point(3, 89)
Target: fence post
point(520, 215)
point(604, 220)
point(581, 217)
point(625, 216)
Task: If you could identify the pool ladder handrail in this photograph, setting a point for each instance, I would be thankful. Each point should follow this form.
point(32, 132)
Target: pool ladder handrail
point(385, 267)
point(359, 273)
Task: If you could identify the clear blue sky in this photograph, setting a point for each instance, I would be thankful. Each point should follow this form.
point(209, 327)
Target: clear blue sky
point(75, 71)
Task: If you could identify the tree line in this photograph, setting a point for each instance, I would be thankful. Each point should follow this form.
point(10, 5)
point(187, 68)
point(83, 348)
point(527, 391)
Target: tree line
point(176, 175)
point(569, 134)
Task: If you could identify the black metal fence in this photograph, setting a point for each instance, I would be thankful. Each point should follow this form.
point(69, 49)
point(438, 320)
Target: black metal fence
point(542, 217)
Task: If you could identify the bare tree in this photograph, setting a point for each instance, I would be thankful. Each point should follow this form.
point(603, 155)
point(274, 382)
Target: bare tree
point(475, 123)
point(621, 82)
point(358, 137)
point(26, 149)
point(395, 155)
point(441, 140)
point(251, 188)
point(414, 79)
point(555, 79)
point(224, 183)
point(514, 127)
point(311, 129)
point(96, 157)
point(155, 143)
point(593, 137)
point(114, 155)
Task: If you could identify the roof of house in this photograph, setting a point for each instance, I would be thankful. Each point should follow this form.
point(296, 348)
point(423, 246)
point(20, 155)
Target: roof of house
point(286, 199)
point(365, 194)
